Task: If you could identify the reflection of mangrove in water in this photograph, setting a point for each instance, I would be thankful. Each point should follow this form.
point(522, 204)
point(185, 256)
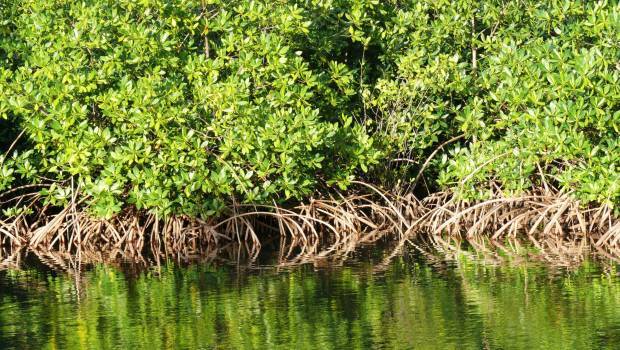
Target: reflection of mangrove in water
point(552, 252)
point(282, 252)
point(465, 303)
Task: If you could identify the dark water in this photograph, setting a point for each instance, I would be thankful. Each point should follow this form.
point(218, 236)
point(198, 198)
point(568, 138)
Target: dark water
point(408, 305)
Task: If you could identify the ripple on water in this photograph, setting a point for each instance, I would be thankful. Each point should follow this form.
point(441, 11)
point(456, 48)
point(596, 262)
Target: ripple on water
point(409, 304)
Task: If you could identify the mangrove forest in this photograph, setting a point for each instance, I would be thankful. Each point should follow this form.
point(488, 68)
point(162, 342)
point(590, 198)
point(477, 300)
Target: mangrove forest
point(125, 122)
point(402, 166)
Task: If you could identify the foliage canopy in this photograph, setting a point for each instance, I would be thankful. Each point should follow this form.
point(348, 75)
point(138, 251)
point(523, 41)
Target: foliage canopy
point(178, 106)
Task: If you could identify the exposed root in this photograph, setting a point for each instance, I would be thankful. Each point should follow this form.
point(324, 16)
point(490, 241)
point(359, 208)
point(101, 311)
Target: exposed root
point(536, 215)
point(75, 232)
point(345, 224)
point(311, 231)
point(320, 230)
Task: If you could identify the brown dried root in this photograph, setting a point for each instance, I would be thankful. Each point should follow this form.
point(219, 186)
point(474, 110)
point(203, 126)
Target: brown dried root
point(537, 215)
point(321, 230)
point(316, 230)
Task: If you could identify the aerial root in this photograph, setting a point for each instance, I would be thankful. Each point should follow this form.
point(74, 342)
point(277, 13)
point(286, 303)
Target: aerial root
point(328, 228)
point(534, 215)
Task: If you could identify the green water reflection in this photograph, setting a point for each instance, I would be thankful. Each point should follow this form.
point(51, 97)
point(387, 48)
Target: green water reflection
point(411, 305)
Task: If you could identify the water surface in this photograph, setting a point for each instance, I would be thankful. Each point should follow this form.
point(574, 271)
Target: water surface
point(408, 304)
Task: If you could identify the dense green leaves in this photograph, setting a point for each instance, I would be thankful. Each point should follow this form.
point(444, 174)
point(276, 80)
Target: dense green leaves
point(547, 110)
point(176, 106)
point(179, 106)
point(534, 86)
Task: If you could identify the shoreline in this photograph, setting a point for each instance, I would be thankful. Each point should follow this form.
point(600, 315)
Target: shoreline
point(319, 229)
